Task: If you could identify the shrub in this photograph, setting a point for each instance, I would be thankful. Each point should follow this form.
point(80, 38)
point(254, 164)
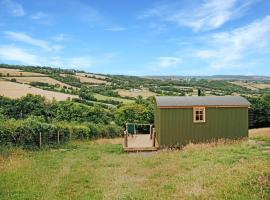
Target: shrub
point(26, 132)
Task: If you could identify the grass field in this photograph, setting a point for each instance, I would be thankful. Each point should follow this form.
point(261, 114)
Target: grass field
point(17, 90)
point(16, 72)
point(144, 93)
point(84, 79)
point(100, 170)
point(102, 97)
point(95, 75)
point(48, 80)
point(251, 85)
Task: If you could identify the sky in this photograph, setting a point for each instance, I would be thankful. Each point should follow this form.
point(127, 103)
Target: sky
point(142, 37)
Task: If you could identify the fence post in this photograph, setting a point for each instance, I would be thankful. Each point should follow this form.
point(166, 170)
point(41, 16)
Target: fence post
point(58, 137)
point(151, 132)
point(154, 137)
point(126, 139)
point(40, 140)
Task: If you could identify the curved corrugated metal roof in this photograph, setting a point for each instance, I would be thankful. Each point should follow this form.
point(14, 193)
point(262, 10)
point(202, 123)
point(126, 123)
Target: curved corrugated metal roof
point(201, 101)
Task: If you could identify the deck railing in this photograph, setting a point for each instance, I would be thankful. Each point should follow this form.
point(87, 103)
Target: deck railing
point(126, 139)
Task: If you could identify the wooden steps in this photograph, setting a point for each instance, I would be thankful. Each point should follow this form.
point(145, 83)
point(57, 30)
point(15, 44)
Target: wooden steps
point(140, 149)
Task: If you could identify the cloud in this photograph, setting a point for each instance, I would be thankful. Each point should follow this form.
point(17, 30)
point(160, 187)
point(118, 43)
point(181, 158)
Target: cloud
point(116, 28)
point(12, 53)
point(165, 63)
point(232, 48)
point(22, 37)
point(13, 8)
point(209, 15)
point(38, 16)
point(41, 18)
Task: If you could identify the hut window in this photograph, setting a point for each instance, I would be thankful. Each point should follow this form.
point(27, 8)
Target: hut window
point(198, 114)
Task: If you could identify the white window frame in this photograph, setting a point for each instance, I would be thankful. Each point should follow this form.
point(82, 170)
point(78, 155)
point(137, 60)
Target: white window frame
point(201, 116)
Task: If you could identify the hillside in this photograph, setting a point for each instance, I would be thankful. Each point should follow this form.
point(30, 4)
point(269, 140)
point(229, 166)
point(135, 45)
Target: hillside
point(122, 89)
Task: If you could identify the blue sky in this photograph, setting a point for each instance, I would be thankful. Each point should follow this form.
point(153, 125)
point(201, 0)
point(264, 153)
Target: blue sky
point(184, 37)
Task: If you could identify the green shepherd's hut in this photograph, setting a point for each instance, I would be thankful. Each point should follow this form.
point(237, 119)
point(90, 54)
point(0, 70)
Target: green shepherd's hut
point(181, 120)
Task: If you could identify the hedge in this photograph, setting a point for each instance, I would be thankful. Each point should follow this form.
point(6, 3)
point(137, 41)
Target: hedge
point(27, 132)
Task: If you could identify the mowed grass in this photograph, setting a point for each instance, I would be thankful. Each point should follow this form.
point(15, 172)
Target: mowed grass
point(17, 90)
point(251, 85)
point(16, 72)
point(48, 80)
point(100, 170)
point(145, 93)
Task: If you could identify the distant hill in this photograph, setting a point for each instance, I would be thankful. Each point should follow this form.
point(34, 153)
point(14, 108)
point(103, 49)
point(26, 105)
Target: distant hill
point(214, 77)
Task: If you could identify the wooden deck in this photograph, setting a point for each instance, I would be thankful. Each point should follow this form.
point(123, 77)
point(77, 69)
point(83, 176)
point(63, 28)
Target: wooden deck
point(140, 142)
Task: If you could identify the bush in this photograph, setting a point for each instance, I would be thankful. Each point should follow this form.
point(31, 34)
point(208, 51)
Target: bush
point(26, 132)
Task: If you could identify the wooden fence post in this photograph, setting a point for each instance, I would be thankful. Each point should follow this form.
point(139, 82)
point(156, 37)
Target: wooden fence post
point(154, 137)
point(126, 139)
point(58, 137)
point(151, 132)
point(40, 140)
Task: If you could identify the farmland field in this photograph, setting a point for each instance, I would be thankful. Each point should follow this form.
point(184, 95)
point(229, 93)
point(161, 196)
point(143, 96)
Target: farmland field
point(17, 90)
point(135, 93)
point(100, 170)
point(88, 74)
point(102, 97)
point(251, 85)
point(48, 80)
point(16, 72)
point(84, 79)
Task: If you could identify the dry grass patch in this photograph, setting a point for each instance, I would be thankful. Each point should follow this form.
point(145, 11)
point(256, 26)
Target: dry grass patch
point(48, 80)
point(259, 132)
point(88, 74)
point(247, 85)
point(17, 90)
point(84, 79)
point(145, 93)
point(251, 85)
point(16, 72)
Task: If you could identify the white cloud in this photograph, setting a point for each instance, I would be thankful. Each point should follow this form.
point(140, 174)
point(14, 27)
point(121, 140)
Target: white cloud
point(22, 37)
point(211, 14)
point(42, 18)
point(12, 53)
point(231, 49)
point(116, 28)
point(13, 8)
point(38, 16)
point(165, 63)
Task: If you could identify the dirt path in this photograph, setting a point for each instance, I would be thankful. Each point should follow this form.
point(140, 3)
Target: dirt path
point(260, 136)
point(259, 132)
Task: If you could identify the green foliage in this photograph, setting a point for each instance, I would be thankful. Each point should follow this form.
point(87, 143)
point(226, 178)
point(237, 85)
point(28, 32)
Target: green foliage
point(68, 79)
point(260, 107)
point(26, 132)
point(139, 112)
point(86, 94)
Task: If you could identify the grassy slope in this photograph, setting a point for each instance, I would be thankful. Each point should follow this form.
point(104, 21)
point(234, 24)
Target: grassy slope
point(87, 170)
